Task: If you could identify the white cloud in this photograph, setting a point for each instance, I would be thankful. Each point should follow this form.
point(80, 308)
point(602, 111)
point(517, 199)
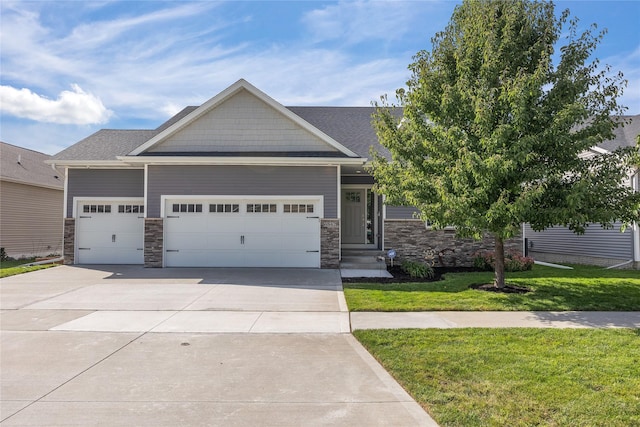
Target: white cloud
point(358, 21)
point(72, 107)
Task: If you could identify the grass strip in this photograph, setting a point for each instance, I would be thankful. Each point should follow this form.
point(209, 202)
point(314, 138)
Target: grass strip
point(516, 377)
point(586, 288)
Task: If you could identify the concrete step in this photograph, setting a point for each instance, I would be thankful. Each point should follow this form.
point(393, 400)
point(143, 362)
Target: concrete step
point(361, 266)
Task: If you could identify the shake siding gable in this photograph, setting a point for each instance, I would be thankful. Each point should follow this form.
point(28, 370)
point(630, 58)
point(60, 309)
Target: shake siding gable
point(103, 183)
point(243, 123)
point(241, 181)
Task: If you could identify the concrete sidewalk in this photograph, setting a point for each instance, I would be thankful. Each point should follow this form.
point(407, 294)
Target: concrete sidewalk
point(495, 319)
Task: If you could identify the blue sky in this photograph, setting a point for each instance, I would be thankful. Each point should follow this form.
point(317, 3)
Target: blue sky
point(69, 68)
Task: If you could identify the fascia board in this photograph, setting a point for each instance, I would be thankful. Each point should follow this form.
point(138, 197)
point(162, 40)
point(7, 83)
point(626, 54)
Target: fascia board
point(286, 161)
point(86, 164)
point(224, 95)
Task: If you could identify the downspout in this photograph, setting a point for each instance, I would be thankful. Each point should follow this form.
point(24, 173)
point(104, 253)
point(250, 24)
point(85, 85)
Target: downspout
point(635, 230)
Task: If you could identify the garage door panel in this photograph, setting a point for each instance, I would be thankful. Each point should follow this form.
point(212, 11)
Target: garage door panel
point(195, 258)
point(221, 224)
point(243, 237)
point(109, 236)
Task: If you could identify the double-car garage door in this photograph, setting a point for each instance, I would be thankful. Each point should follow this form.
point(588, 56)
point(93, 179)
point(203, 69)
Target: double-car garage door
point(205, 232)
point(242, 232)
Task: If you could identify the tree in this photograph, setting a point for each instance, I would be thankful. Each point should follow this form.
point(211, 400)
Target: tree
point(490, 130)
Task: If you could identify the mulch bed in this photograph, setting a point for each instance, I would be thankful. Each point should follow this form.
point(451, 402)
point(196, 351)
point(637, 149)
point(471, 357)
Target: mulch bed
point(400, 276)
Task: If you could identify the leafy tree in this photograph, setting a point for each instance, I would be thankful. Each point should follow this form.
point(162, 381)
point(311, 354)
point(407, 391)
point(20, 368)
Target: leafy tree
point(492, 127)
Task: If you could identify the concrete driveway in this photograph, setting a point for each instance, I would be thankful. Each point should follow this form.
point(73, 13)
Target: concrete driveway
point(120, 345)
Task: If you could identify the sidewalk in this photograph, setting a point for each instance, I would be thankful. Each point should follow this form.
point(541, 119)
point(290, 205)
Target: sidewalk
point(495, 319)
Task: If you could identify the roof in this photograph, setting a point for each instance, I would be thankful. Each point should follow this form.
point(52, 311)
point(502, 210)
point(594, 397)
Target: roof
point(106, 144)
point(26, 166)
point(351, 126)
point(625, 135)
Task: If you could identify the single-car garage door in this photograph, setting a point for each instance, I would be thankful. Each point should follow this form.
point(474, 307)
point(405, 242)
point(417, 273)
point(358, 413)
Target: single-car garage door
point(242, 232)
point(110, 232)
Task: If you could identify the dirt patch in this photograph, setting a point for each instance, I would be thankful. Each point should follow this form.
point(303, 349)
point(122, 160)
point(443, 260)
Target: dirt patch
point(508, 289)
point(400, 276)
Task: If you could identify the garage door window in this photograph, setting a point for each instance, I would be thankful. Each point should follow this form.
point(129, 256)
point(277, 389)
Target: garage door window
point(261, 208)
point(224, 208)
point(96, 208)
point(130, 208)
point(187, 207)
point(297, 208)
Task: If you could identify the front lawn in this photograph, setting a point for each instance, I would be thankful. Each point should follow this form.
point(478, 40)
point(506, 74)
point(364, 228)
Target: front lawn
point(516, 377)
point(11, 268)
point(585, 288)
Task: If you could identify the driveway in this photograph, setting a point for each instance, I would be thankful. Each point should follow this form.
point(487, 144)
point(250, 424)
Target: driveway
point(124, 345)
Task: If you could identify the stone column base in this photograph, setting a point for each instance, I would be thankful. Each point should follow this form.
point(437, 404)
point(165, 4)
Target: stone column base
point(153, 242)
point(329, 243)
point(69, 244)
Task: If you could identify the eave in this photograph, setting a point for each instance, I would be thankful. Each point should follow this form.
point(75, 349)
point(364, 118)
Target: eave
point(242, 160)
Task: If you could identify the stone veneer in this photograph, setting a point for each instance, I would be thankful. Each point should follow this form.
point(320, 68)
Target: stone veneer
point(153, 242)
point(69, 245)
point(411, 240)
point(329, 243)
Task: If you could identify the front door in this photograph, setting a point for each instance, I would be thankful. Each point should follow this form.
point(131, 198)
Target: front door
point(353, 216)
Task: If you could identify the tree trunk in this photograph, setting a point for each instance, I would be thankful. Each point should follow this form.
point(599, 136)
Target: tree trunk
point(499, 262)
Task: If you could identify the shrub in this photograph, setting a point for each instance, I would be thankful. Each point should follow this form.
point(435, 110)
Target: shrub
point(417, 269)
point(512, 261)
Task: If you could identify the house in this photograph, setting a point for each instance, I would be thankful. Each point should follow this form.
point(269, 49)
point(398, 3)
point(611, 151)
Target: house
point(597, 246)
point(31, 199)
point(240, 180)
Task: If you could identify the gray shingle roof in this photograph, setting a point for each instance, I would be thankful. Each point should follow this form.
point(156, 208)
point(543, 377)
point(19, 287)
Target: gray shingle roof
point(30, 170)
point(625, 136)
point(106, 144)
point(350, 126)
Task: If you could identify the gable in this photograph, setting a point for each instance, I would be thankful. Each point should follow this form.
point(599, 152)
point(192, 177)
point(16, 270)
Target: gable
point(242, 123)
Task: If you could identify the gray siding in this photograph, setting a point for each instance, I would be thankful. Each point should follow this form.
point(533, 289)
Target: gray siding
point(242, 180)
point(104, 183)
point(31, 220)
point(596, 242)
point(401, 212)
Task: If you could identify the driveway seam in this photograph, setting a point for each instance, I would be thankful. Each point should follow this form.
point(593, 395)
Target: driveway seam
point(75, 376)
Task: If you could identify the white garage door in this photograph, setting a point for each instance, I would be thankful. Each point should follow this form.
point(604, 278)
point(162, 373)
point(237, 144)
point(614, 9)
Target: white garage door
point(110, 232)
point(242, 232)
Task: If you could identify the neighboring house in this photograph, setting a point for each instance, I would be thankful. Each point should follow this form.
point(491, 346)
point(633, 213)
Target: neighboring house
point(239, 181)
point(31, 201)
point(598, 246)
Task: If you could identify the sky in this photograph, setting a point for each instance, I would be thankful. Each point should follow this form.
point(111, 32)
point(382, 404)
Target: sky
point(70, 68)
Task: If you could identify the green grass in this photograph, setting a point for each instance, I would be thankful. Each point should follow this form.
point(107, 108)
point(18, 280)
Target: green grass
point(586, 288)
point(11, 268)
point(516, 377)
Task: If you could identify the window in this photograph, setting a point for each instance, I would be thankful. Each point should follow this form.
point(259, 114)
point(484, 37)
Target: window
point(224, 208)
point(297, 208)
point(261, 208)
point(130, 208)
point(352, 196)
point(187, 207)
point(96, 208)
